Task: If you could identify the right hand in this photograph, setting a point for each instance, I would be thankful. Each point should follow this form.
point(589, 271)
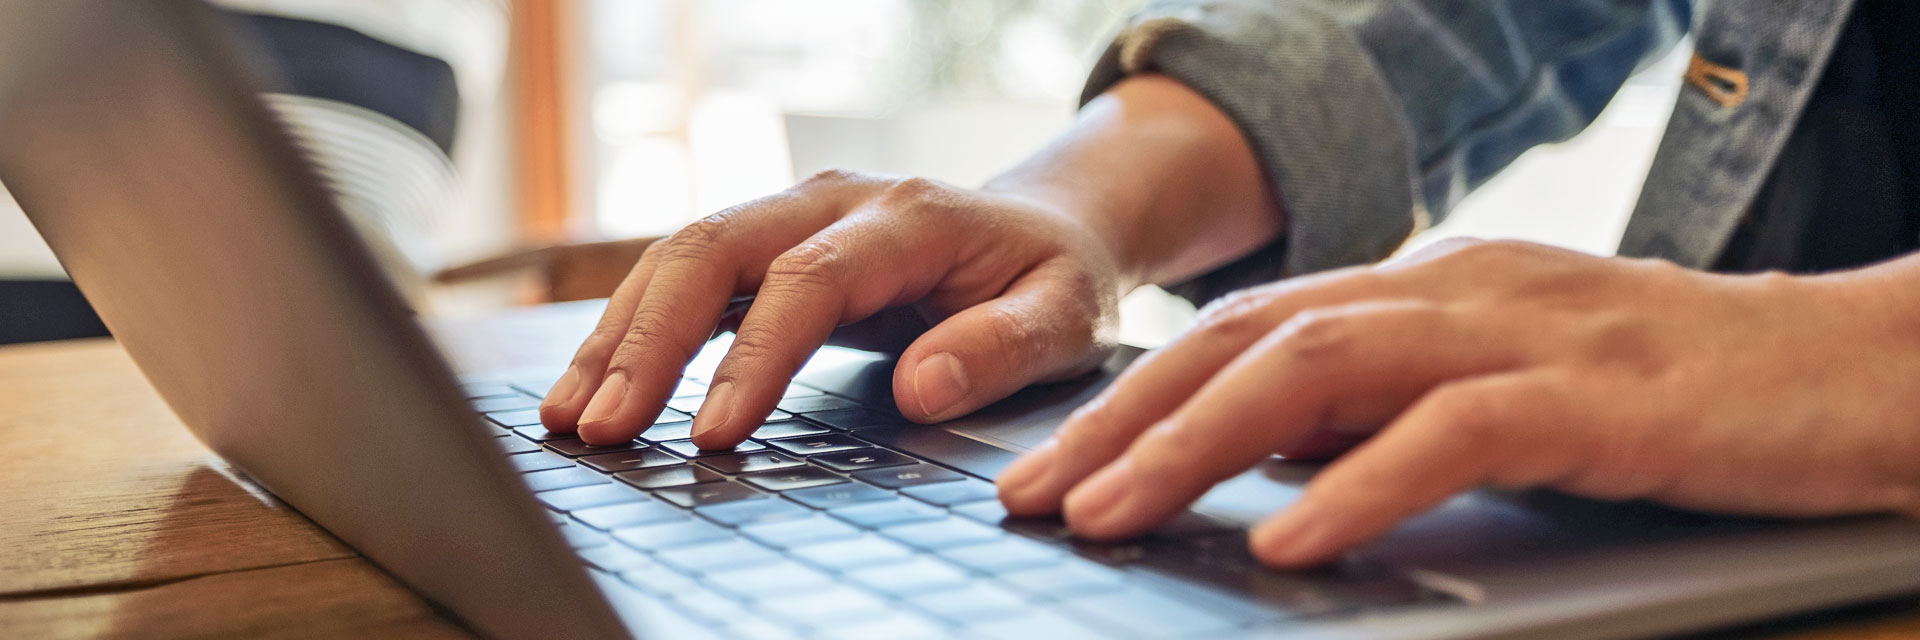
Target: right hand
point(1021, 292)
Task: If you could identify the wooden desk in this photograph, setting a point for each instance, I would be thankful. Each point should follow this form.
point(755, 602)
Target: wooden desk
point(114, 521)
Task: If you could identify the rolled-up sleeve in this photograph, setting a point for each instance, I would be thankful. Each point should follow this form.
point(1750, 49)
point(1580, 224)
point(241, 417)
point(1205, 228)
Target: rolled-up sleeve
point(1372, 118)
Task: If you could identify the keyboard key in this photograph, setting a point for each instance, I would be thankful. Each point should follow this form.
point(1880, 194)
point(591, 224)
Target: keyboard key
point(575, 448)
point(701, 558)
point(508, 403)
point(987, 511)
point(815, 445)
point(631, 460)
point(615, 558)
point(654, 537)
point(561, 479)
point(515, 444)
point(687, 449)
point(631, 514)
point(776, 578)
point(1038, 624)
point(598, 495)
point(708, 605)
point(838, 495)
point(893, 625)
point(975, 601)
point(852, 553)
point(853, 419)
point(734, 514)
point(537, 461)
point(811, 404)
point(689, 405)
point(478, 390)
point(797, 390)
point(705, 494)
point(896, 477)
point(919, 575)
point(774, 429)
point(515, 418)
point(658, 580)
point(1137, 611)
point(941, 534)
point(792, 533)
point(947, 494)
point(880, 514)
point(679, 475)
point(1005, 554)
point(690, 388)
point(662, 432)
point(1073, 576)
point(538, 433)
point(824, 607)
point(861, 460)
point(790, 479)
point(750, 462)
point(582, 537)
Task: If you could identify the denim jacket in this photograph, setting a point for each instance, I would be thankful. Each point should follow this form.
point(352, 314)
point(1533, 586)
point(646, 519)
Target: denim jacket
point(1372, 118)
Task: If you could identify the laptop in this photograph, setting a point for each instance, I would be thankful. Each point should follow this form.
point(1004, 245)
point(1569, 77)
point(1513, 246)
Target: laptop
point(131, 137)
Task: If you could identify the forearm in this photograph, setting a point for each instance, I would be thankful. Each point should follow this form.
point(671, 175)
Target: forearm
point(1161, 175)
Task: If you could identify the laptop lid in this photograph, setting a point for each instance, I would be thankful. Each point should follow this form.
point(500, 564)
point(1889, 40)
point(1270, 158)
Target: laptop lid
point(133, 141)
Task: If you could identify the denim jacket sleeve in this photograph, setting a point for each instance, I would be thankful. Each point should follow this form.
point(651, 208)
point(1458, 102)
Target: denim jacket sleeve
point(1373, 117)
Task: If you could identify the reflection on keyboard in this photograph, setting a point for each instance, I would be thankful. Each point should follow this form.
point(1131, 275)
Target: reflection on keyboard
point(806, 529)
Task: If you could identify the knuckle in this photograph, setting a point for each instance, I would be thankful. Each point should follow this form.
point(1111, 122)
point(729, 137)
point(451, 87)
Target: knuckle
point(1468, 413)
point(1320, 336)
point(833, 176)
point(698, 239)
point(755, 353)
point(1237, 314)
point(915, 195)
point(648, 334)
point(809, 265)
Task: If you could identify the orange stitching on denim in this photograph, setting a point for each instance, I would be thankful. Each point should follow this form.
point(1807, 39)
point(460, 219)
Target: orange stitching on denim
point(1725, 85)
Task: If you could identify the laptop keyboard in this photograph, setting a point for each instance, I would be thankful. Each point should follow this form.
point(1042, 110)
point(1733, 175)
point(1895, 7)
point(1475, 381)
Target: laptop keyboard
point(809, 530)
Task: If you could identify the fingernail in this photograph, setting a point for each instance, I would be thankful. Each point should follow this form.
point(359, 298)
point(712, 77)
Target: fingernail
point(715, 409)
point(607, 400)
point(940, 382)
point(1093, 507)
point(563, 389)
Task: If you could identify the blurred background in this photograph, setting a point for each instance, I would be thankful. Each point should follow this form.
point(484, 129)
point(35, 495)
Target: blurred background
point(601, 120)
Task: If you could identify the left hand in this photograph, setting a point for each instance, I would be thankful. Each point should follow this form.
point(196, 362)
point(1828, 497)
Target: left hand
point(1511, 365)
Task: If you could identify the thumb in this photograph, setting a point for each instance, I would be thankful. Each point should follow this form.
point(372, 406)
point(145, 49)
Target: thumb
point(1039, 330)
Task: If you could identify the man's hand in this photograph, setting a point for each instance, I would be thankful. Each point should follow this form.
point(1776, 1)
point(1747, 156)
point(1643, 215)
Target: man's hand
point(1022, 293)
point(1509, 365)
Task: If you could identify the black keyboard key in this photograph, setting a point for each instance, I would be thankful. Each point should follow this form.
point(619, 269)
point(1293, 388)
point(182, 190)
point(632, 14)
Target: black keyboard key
point(539, 433)
point(689, 405)
point(852, 553)
point(734, 514)
point(791, 479)
point(1074, 576)
point(947, 494)
point(775, 429)
point(614, 558)
point(690, 388)
point(941, 534)
point(1137, 611)
point(705, 494)
point(713, 556)
point(916, 576)
point(880, 514)
point(582, 537)
point(515, 418)
point(507, 403)
point(665, 431)
point(797, 390)
point(896, 477)
point(838, 495)
point(811, 404)
point(750, 462)
point(771, 579)
point(861, 460)
point(537, 461)
point(663, 477)
point(1006, 554)
point(628, 461)
point(655, 537)
point(574, 448)
point(630, 514)
point(830, 608)
point(854, 419)
point(597, 495)
point(782, 534)
point(687, 449)
point(561, 479)
point(976, 601)
point(514, 444)
point(815, 445)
